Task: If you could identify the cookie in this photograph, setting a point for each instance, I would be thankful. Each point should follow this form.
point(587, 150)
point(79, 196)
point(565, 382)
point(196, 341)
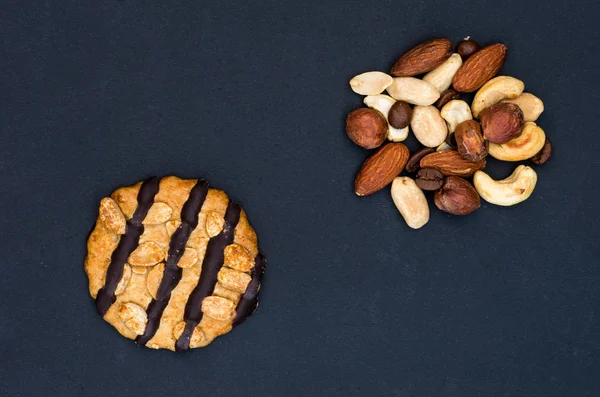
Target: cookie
point(173, 263)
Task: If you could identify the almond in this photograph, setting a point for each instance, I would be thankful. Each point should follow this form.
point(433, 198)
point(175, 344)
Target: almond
point(381, 168)
point(479, 68)
point(450, 162)
point(423, 58)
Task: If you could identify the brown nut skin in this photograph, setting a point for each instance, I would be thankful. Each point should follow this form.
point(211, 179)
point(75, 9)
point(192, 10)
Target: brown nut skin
point(479, 68)
point(399, 115)
point(502, 122)
point(457, 196)
point(451, 140)
point(381, 168)
point(543, 155)
point(366, 127)
point(415, 159)
point(467, 47)
point(469, 141)
point(429, 179)
point(446, 97)
point(422, 58)
point(449, 162)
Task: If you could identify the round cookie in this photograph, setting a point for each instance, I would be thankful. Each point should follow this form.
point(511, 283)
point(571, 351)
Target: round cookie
point(173, 263)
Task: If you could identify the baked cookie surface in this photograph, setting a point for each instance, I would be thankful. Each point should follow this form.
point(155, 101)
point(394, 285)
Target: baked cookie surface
point(173, 263)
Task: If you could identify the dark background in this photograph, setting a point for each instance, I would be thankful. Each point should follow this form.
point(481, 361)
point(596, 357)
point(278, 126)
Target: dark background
point(253, 97)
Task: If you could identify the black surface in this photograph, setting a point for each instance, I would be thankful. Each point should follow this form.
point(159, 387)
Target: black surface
point(253, 98)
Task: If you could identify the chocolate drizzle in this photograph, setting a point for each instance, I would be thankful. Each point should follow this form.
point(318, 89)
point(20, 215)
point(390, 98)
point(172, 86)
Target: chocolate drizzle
point(127, 244)
point(212, 263)
point(249, 301)
point(172, 272)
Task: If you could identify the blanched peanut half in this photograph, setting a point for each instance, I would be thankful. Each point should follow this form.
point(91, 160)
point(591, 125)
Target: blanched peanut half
point(198, 338)
point(214, 223)
point(523, 147)
point(134, 316)
point(383, 103)
point(413, 91)
point(234, 280)
point(223, 292)
point(510, 191)
point(494, 91)
point(410, 201)
point(428, 126)
point(218, 308)
point(158, 213)
point(238, 257)
point(146, 254)
point(154, 278)
point(124, 280)
point(455, 112)
point(370, 83)
point(172, 226)
point(531, 105)
point(111, 216)
point(188, 259)
point(441, 77)
point(139, 269)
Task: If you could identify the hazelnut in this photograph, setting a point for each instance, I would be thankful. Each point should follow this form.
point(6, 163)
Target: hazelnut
point(469, 141)
point(502, 122)
point(366, 127)
point(457, 196)
point(467, 47)
point(399, 115)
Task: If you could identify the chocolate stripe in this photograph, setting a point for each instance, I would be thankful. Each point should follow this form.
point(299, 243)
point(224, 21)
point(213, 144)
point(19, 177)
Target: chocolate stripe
point(212, 263)
point(249, 301)
point(172, 272)
point(127, 244)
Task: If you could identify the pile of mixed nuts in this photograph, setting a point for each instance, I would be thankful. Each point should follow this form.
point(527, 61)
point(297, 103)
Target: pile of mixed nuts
point(455, 143)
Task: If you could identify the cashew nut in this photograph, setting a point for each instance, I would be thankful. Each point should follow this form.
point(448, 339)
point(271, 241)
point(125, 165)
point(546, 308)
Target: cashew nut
point(428, 126)
point(410, 201)
point(455, 112)
point(370, 83)
point(494, 91)
point(397, 135)
point(510, 191)
point(531, 105)
point(443, 146)
point(441, 77)
point(524, 146)
point(383, 103)
point(414, 91)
